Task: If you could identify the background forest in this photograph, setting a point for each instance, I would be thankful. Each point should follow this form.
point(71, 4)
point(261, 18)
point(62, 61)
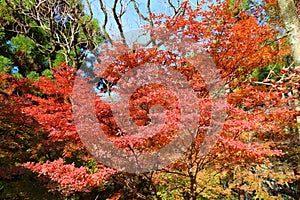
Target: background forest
point(255, 45)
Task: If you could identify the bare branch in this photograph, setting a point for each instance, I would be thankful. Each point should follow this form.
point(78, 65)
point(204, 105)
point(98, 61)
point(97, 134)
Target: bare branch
point(118, 20)
point(149, 12)
point(123, 8)
point(172, 5)
point(136, 8)
point(106, 35)
point(90, 10)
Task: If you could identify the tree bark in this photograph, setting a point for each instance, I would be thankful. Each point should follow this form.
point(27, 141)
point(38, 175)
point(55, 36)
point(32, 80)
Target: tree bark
point(292, 24)
point(291, 20)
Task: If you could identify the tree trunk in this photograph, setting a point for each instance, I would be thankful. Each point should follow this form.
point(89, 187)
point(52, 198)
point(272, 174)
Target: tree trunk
point(291, 20)
point(290, 17)
point(292, 24)
point(50, 61)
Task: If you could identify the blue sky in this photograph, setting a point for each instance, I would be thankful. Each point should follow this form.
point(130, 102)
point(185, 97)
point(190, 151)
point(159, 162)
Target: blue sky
point(130, 19)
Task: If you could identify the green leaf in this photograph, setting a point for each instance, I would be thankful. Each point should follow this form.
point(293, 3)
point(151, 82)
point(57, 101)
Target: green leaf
point(5, 64)
point(33, 75)
point(48, 73)
point(22, 43)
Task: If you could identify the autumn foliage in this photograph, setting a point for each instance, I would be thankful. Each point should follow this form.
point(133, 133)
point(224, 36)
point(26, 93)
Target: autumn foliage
point(249, 151)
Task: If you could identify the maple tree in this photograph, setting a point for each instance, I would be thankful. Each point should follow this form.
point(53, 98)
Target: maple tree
point(237, 61)
point(244, 159)
point(21, 141)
